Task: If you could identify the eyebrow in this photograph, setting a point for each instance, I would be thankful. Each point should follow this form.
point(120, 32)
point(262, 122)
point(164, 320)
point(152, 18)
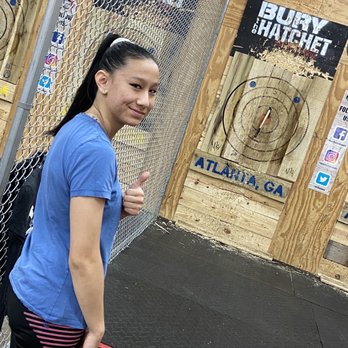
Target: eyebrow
point(144, 81)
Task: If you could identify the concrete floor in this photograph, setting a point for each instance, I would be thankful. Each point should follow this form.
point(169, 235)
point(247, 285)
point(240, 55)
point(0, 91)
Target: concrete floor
point(172, 288)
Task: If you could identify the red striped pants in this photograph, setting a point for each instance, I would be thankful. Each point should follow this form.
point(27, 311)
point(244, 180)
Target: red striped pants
point(31, 331)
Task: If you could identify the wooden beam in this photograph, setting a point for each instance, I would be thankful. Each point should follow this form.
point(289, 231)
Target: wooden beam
point(309, 217)
point(201, 111)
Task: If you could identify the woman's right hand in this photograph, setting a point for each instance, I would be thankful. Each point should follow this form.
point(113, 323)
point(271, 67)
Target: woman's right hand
point(91, 340)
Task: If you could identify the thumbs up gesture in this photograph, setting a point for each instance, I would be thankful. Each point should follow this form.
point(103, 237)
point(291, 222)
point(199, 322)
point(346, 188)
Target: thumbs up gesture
point(133, 198)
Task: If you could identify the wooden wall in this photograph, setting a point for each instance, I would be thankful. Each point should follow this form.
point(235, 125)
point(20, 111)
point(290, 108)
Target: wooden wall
point(18, 30)
point(303, 227)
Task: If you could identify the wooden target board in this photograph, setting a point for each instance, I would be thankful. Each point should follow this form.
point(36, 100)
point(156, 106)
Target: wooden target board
point(7, 20)
point(274, 88)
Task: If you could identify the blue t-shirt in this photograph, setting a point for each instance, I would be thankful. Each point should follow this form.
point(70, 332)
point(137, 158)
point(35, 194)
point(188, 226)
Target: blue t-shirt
point(81, 162)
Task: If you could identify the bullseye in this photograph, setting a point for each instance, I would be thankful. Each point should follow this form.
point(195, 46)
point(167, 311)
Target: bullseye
point(269, 120)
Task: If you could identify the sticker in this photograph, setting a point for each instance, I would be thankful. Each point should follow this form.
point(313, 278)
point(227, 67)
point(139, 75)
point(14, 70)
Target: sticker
point(323, 179)
point(45, 83)
point(4, 91)
point(51, 61)
point(333, 151)
point(58, 39)
point(340, 134)
point(331, 156)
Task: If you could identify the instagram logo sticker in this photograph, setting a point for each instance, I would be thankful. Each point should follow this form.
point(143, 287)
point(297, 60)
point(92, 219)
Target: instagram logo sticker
point(331, 156)
point(51, 60)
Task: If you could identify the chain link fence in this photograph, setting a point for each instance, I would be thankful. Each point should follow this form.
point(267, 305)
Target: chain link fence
point(180, 33)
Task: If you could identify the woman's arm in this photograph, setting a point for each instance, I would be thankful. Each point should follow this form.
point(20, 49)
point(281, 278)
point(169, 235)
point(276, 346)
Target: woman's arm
point(85, 263)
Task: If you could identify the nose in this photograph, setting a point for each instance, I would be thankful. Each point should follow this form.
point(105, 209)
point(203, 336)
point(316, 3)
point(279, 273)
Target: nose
point(144, 99)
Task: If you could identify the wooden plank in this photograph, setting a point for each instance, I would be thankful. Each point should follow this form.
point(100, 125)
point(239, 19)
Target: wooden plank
point(333, 274)
point(215, 136)
point(198, 120)
point(340, 234)
point(2, 124)
point(234, 13)
point(196, 221)
point(7, 91)
point(241, 127)
point(279, 96)
point(225, 192)
point(309, 216)
point(5, 108)
point(317, 94)
point(335, 11)
point(337, 252)
point(344, 214)
point(230, 212)
point(228, 171)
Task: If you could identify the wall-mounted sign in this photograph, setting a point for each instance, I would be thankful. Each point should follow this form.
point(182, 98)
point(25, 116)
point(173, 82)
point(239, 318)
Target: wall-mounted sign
point(296, 41)
point(333, 151)
point(233, 173)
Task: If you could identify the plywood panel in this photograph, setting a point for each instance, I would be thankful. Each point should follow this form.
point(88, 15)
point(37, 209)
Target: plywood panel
point(234, 13)
point(7, 91)
point(209, 226)
point(227, 213)
point(308, 218)
point(221, 118)
point(235, 195)
point(229, 210)
point(334, 10)
point(317, 94)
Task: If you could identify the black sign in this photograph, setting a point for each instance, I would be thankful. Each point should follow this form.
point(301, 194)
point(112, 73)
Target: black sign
point(268, 27)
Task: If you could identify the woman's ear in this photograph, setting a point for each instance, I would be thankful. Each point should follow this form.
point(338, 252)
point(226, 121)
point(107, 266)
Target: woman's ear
point(102, 80)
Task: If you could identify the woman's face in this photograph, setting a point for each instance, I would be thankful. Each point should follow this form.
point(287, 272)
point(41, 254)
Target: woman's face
point(131, 92)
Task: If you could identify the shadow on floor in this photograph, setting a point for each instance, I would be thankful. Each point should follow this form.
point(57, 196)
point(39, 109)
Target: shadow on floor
point(172, 288)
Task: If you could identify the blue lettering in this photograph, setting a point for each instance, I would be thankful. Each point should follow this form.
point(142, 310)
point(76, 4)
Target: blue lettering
point(226, 171)
point(252, 181)
point(210, 162)
point(279, 191)
point(269, 186)
point(214, 169)
point(235, 174)
point(200, 162)
point(345, 216)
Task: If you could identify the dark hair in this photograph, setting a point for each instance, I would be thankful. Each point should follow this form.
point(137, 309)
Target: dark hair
point(109, 59)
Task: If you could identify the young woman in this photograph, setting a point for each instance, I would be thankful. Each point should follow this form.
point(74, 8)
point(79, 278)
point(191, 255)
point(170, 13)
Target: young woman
point(57, 284)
